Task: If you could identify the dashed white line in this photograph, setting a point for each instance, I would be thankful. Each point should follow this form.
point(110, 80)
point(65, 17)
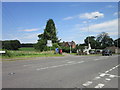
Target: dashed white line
point(96, 78)
point(99, 85)
point(59, 65)
point(112, 76)
point(71, 62)
point(96, 59)
point(107, 79)
point(87, 83)
point(112, 68)
point(106, 71)
point(81, 62)
point(102, 75)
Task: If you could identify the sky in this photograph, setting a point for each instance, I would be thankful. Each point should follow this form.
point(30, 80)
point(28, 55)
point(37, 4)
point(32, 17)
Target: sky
point(74, 21)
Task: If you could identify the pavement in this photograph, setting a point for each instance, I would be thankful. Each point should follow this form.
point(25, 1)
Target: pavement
point(62, 72)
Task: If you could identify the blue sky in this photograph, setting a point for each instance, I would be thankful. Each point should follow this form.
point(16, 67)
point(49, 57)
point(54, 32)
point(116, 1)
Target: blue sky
point(25, 20)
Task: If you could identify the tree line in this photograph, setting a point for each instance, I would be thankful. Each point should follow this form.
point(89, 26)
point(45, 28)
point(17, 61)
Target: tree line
point(11, 44)
point(101, 41)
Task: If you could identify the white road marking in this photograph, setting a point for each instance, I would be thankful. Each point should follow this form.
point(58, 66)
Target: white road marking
point(106, 71)
point(102, 75)
point(99, 85)
point(87, 83)
point(81, 62)
point(107, 79)
point(71, 62)
point(112, 76)
point(112, 68)
point(32, 65)
point(96, 78)
point(59, 65)
point(96, 59)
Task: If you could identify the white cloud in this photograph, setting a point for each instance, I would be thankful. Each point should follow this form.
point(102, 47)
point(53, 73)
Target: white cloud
point(110, 6)
point(110, 27)
point(23, 37)
point(91, 15)
point(116, 13)
point(84, 22)
point(68, 18)
point(30, 30)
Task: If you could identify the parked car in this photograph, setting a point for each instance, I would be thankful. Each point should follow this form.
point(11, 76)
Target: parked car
point(107, 52)
point(92, 52)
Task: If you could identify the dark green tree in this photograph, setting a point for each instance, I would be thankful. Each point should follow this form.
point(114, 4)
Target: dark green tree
point(91, 39)
point(49, 33)
point(117, 42)
point(104, 40)
point(11, 44)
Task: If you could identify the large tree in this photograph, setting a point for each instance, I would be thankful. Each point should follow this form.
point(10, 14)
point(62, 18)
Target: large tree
point(49, 33)
point(117, 42)
point(91, 39)
point(104, 40)
point(11, 44)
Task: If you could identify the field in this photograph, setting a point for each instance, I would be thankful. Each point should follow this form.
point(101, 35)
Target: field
point(27, 49)
point(28, 52)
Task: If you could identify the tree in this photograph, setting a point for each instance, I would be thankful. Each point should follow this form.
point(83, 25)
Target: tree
point(117, 42)
point(94, 44)
point(104, 40)
point(11, 44)
point(48, 34)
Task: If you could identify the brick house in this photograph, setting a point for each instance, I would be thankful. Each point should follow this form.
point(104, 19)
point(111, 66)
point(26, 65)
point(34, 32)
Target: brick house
point(67, 44)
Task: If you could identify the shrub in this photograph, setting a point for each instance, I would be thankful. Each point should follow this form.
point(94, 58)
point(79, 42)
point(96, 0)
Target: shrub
point(7, 54)
point(11, 44)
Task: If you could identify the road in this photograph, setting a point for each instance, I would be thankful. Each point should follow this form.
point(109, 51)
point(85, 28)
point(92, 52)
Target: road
point(62, 72)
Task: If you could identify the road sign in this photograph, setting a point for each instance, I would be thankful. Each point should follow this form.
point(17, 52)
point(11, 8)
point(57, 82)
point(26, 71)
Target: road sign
point(49, 43)
point(2, 52)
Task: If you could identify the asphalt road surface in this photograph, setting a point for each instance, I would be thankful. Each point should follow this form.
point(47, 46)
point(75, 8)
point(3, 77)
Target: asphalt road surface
point(62, 72)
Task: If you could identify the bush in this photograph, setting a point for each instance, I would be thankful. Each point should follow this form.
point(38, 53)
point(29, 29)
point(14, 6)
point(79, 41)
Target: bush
point(7, 54)
point(41, 45)
point(55, 45)
point(11, 44)
point(27, 44)
point(67, 49)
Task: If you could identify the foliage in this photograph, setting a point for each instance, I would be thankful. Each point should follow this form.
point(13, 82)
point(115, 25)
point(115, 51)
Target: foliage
point(27, 44)
point(117, 42)
point(11, 44)
point(41, 45)
point(55, 45)
point(67, 49)
point(80, 46)
point(7, 54)
point(49, 34)
point(27, 49)
point(91, 39)
point(104, 40)
point(13, 54)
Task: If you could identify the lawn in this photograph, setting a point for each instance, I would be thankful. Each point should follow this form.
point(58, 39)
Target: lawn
point(27, 49)
point(28, 52)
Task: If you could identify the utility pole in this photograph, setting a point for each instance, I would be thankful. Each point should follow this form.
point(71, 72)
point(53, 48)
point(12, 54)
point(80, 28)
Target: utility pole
point(88, 33)
point(70, 49)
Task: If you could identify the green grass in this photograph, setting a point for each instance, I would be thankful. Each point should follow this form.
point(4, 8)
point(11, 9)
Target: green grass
point(24, 54)
point(27, 49)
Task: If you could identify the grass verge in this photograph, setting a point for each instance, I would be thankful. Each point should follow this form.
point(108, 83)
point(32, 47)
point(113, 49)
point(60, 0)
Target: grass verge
point(27, 54)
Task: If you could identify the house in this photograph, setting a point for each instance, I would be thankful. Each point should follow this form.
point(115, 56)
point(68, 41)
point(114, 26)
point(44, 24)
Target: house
point(68, 44)
point(114, 49)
